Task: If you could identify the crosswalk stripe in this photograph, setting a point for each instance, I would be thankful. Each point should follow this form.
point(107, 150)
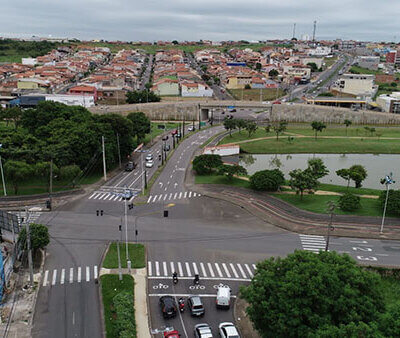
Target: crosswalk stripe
point(170, 195)
point(180, 195)
point(203, 269)
point(234, 270)
point(71, 275)
point(196, 271)
point(188, 269)
point(190, 194)
point(159, 198)
point(319, 245)
point(211, 269)
point(149, 268)
point(165, 196)
point(180, 269)
point(254, 266)
point(53, 282)
point(184, 196)
point(95, 275)
point(199, 195)
point(241, 270)
point(172, 267)
point(103, 196)
point(87, 274)
point(194, 194)
point(226, 270)
point(149, 199)
point(165, 268)
point(157, 269)
point(79, 274)
point(62, 276)
point(248, 270)
point(308, 241)
point(312, 249)
point(155, 198)
point(218, 269)
point(91, 196)
point(46, 276)
point(175, 195)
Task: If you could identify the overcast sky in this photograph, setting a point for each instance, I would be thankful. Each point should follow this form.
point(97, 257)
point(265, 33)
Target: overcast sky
point(151, 20)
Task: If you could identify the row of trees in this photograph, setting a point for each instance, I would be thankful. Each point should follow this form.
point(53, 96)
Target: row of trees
point(142, 96)
point(212, 164)
point(231, 124)
point(69, 135)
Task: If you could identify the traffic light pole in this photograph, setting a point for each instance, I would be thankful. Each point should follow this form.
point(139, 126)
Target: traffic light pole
point(126, 234)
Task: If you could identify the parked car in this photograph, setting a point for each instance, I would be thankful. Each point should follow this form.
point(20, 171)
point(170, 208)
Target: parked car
point(171, 334)
point(149, 157)
point(191, 128)
point(168, 306)
point(277, 102)
point(149, 164)
point(228, 330)
point(202, 331)
point(196, 306)
point(165, 138)
point(223, 300)
point(130, 166)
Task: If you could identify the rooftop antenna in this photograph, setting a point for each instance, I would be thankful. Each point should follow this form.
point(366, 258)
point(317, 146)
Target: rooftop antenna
point(315, 27)
point(294, 30)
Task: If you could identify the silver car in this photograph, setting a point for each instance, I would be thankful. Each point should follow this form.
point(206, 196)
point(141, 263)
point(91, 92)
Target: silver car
point(202, 331)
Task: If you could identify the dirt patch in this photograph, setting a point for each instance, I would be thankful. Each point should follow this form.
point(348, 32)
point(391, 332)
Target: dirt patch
point(243, 321)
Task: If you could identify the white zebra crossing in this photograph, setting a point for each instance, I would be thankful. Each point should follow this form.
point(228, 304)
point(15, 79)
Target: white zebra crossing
point(172, 196)
point(312, 243)
point(234, 271)
point(64, 278)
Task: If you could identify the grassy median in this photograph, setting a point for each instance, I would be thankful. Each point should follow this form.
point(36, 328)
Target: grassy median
point(136, 254)
point(114, 311)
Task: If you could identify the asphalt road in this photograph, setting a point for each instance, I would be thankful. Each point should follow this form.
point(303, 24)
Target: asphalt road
point(219, 240)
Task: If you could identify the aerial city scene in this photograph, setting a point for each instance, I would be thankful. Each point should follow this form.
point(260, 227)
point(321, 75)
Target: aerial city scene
point(200, 169)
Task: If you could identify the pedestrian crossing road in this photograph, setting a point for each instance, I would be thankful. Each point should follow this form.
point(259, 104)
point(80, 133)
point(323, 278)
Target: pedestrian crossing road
point(70, 275)
point(234, 271)
point(313, 243)
point(172, 196)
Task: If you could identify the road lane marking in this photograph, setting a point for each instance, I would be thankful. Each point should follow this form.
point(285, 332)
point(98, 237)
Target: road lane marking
point(184, 196)
point(95, 274)
point(203, 269)
point(234, 270)
point(241, 270)
point(46, 276)
point(188, 269)
point(172, 267)
point(180, 195)
point(149, 268)
point(254, 266)
point(248, 270)
point(62, 276)
point(87, 274)
point(170, 195)
point(180, 269)
point(157, 268)
point(175, 195)
point(155, 198)
point(53, 282)
point(190, 194)
point(218, 269)
point(196, 271)
point(211, 269)
point(165, 196)
point(150, 197)
point(71, 275)
point(165, 268)
point(79, 274)
point(159, 198)
point(194, 194)
point(92, 195)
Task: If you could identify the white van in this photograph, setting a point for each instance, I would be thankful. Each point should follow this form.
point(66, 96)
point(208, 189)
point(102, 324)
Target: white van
point(223, 297)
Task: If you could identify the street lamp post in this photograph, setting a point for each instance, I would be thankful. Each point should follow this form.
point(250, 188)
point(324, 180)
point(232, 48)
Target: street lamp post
point(388, 180)
point(2, 175)
point(331, 208)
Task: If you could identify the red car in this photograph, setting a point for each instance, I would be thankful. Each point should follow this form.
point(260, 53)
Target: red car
point(277, 102)
point(171, 334)
point(174, 132)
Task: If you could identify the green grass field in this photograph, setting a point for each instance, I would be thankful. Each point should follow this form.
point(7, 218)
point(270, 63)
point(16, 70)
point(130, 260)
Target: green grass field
point(155, 131)
point(136, 254)
point(217, 179)
point(330, 61)
point(110, 287)
point(254, 94)
point(360, 70)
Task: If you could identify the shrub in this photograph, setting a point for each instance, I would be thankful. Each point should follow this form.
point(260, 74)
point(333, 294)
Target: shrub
point(267, 180)
point(349, 202)
point(125, 315)
point(206, 164)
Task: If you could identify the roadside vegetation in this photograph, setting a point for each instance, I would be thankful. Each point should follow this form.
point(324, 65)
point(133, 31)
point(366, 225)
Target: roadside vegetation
point(13, 50)
point(136, 254)
point(266, 94)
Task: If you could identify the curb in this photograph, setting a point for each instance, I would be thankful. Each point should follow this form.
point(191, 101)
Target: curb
point(41, 268)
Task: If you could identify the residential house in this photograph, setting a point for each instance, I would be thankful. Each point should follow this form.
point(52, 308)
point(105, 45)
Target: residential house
point(166, 87)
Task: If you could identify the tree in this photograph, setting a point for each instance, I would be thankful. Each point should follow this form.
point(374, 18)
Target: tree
point(70, 173)
point(318, 127)
point(141, 124)
point(345, 174)
point(352, 329)
point(230, 170)
point(17, 172)
point(247, 86)
point(251, 127)
point(229, 124)
point(175, 42)
point(39, 237)
point(393, 203)
point(240, 124)
point(258, 66)
point(317, 168)
point(305, 292)
point(142, 96)
point(279, 128)
point(313, 66)
point(358, 173)
point(42, 170)
point(393, 84)
point(389, 323)
point(273, 73)
point(13, 114)
point(206, 164)
point(267, 180)
point(349, 202)
point(301, 180)
point(347, 123)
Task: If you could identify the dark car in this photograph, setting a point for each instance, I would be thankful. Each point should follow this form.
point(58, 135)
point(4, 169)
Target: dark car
point(130, 166)
point(165, 138)
point(167, 147)
point(196, 306)
point(168, 306)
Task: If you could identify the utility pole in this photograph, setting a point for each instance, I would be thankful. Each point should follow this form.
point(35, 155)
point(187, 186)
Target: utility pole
point(119, 151)
point(141, 169)
point(388, 180)
point(104, 158)
point(119, 255)
point(51, 183)
point(331, 208)
point(294, 31)
point(126, 233)
point(199, 116)
point(2, 175)
point(315, 28)
point(183, 130)
point(28, 238)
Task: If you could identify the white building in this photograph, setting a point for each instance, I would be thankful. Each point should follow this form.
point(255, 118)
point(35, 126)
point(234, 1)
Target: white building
point(320, 51)
point(29, 61)
point(389, 103)
point(72, 100)
point(356, 84)
point(192, 89)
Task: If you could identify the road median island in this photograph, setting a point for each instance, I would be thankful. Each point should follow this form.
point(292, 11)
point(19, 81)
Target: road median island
point(125, 301)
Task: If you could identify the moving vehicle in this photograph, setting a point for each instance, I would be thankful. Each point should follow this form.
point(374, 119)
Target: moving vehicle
point(165, 138)
point(130, 166)
point(149, 164)
point(168, 306)
point(171, 334)
point(127, 194)
point(223, 297)
point(149, 157)
point(191, 128)
point(196, 306)
point(202, 331)
point(181, 303)
point(167, 147)
point(228, 330)
point(174, 132)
